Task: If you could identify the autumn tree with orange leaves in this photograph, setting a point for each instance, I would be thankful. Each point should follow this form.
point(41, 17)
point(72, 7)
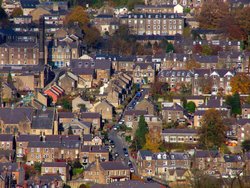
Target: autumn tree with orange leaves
point(240, 83)
point(79, 15)
point(192, 64)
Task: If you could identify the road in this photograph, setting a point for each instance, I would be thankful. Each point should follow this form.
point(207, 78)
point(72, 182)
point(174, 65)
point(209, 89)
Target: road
point(119, 142)
point(119, 145)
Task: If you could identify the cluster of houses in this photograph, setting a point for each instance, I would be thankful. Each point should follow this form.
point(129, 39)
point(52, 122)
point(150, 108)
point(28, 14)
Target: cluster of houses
point(43, 61)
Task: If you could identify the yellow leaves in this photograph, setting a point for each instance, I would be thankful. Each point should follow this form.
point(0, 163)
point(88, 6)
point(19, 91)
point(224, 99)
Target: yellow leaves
point(240, 83)
point(78, 14)
point(190, 65)
point(153, 141)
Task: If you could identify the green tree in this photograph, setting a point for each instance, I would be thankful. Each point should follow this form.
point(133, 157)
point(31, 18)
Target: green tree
point(70, 131)
point(9, 79)
point(234, 102)
point(38, 167)
point(245, 145)
point(212, 132)
point(190, 107)
point(170, 48)
point(82, 107)
point(142, 130)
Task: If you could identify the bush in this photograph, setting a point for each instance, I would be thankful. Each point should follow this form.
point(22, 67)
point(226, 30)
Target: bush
point(77, 171)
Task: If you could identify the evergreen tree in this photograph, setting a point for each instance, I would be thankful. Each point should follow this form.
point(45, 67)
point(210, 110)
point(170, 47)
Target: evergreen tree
point(9, 79)
point(190, 107)
point(234, 102)
point(142, 130)
point(70, 131)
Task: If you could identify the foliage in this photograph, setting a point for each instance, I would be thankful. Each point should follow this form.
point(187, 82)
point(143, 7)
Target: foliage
point(190, 107)
point(9, 79)
point(142, 130)
point(203, 180)
point(78, 14)
point(29, 171)
point(66, 186)
point(212, 14)
point(82, 107)
point(212, 132)
point(70, 131)
point(17, 12)
point(153, 141)
point(240, 83)
point(234, 102)
point(246, 145)
point(3, 17)
point(66, 103)
point(169, 48)
point(192, 64)
point(187, 10)
point(206, 85)
point(38, 167)
point(77, 171)
point(128, 138)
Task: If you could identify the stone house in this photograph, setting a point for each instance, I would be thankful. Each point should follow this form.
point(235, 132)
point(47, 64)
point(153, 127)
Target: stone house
point(68, 82)
point(158, 164)
point(58, 168)
point(144, 73)
point(88, 154)
point(197, 100)
point(78, 127)
point(166, 8)
point(176, 77)
point(153, 23)
point(131, 117)
point(92, 140)
point(6, 141)
point(210, 162)
point(106, 172)
point(92, 117)
point(173, 113)
point(53, 180)
point(186, 136)
point(232, 165)
point(66, 117)
point(39, 151)
point(106, 23)
point(14, 120)
point(245, 111)
point(22, 142)
point(148, 105)
point(105, 109)
point(85, 77)
point(10, 170)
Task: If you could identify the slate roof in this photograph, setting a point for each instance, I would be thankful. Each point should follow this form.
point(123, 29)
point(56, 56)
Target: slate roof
point(202, 72)
point(27, 138)
point(43, 119)
point(90, 115)
point(245, 105)
point(93, 64)
point(179, 131)
point(46, 144)
point(66, 115)
point(6, 137)
point(94, 149)
point(151, 15)
point(87, 137)
point(175, 107)
point(206, 59)
point(242, 121)
point(10, 166)
point(143, 65)
point(206, 153)
point(113, 165)
point(135, 112)
point(14, 116)
point(29, 4)
point(145, 153)
point(233, 158)
point(128, 184)
point(54, 164)
point(62, 138)
point(175, 73)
